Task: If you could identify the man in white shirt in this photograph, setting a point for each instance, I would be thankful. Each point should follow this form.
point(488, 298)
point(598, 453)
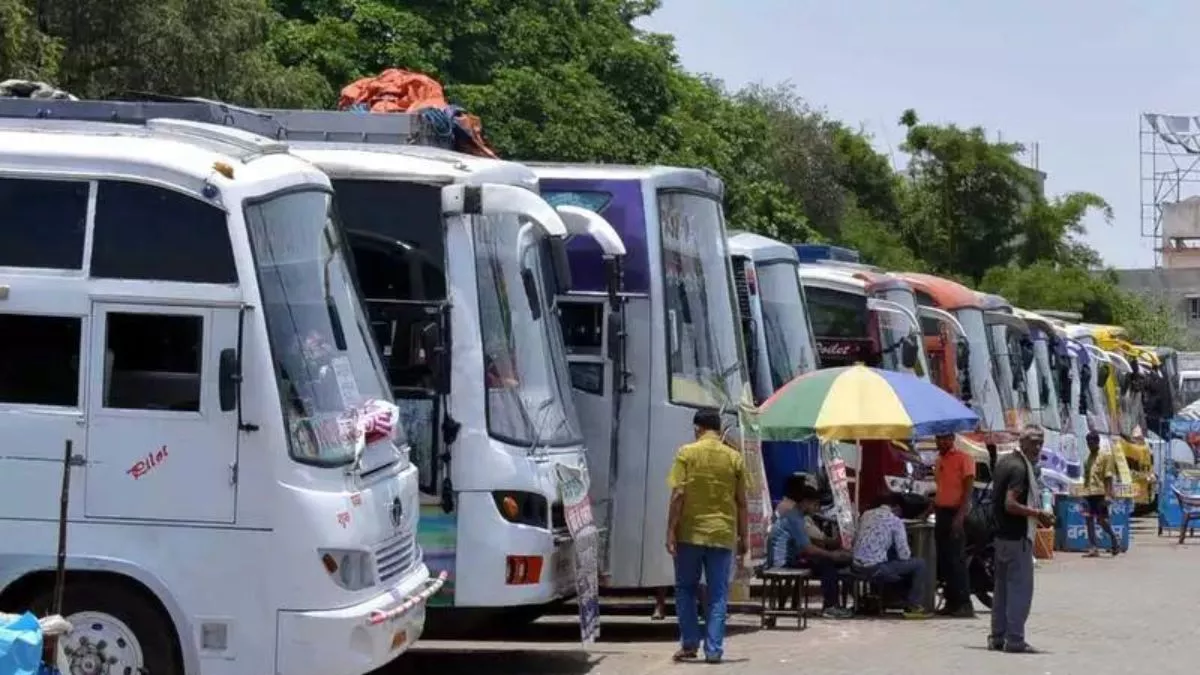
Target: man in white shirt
point(882, 555)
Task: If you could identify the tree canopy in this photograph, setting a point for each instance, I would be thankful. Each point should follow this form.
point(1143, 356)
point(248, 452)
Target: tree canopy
point(579, 81)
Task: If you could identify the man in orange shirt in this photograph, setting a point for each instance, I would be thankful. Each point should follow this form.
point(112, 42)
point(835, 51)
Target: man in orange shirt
point(954, 474)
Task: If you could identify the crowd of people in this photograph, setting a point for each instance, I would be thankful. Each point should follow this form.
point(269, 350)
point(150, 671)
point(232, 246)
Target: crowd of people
point(708, 527)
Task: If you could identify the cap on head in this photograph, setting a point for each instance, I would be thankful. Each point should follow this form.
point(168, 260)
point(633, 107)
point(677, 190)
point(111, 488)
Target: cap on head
point(1032, 434)
point(707, 419)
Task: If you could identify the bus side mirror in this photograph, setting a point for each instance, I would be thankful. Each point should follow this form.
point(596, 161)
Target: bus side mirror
point(962, 357)
point(910, 351)
point(616, 330)
point(1026, 354)
point(561, 263)
point(1085, 382)
point(227, 379)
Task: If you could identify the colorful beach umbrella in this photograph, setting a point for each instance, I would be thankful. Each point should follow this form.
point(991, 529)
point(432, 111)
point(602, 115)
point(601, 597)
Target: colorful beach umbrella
point(860, 403)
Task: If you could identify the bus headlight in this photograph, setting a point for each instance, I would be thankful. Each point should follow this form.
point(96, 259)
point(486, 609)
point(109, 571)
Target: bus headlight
point(350, 570)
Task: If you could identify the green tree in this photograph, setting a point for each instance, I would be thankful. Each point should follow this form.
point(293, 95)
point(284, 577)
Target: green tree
point(967, 198)
point(25, 51)
point(1093, 294)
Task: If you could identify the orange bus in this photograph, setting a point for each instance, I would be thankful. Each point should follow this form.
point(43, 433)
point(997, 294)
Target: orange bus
point(959, 351)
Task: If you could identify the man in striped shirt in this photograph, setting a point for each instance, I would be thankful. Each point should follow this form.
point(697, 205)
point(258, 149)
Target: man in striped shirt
point(882, 554)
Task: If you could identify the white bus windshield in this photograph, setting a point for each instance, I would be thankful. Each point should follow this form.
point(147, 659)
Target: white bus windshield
point(705, 359)
point(327, 366)
point(525, 363)
point(790, 347)
point(1097, 403)
point(985, 395)
point(894, 327)
point(1043, 386)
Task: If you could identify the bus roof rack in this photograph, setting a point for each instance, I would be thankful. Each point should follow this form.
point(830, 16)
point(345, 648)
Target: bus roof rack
point(330, 126)
point(1069, 317)
point(283, 125)
point(252, 134)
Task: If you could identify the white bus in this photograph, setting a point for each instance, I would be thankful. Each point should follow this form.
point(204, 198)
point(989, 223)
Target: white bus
point(672, 346)
point(778, 337)
point(176, 304)
point(459, 261)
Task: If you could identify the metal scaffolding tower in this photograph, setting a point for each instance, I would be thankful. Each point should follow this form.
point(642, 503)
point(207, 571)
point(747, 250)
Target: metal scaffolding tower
point(1169, 165)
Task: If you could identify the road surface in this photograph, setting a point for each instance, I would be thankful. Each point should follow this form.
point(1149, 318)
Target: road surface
point(1101, 616)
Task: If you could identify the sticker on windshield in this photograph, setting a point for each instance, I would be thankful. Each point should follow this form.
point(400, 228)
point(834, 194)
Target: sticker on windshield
point(345, 381)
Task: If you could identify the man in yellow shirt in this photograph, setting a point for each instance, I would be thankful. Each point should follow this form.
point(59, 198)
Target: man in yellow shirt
point(1098, 473)
point(707, 522)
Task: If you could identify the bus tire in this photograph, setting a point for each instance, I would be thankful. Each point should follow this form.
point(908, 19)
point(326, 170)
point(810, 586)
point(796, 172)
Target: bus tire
point(111, 623)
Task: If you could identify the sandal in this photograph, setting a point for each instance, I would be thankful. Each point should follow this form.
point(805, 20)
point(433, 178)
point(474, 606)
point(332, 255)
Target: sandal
point(685, 655)
point(1093, 553)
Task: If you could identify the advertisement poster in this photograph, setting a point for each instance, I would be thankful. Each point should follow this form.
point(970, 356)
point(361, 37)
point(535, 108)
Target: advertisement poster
point(758, 495)
point(573, 484)
point(839, 484)
point(1071, 528)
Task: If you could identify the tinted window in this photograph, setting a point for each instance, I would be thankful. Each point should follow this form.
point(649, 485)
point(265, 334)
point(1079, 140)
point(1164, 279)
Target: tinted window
point(42, 223)
point(150, 232)
point(152, 361)
point(835, 314)
point(404, 212)
point(40, 362)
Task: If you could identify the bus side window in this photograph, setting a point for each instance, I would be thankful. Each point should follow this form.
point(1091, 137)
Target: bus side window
point(155, 361)
point(153, 233)
point(42, 223)
point(40, 362)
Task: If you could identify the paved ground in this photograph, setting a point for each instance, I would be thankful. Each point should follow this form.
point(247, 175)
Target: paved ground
point(1090, 617)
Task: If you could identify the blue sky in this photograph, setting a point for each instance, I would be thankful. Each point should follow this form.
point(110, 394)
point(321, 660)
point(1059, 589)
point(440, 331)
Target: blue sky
point(1070, 75)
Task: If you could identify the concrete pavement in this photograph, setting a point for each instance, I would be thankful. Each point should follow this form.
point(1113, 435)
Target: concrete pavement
point(1090, 617)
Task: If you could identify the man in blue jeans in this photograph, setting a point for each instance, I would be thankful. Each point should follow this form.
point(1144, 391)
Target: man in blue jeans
point(790, 545)
point(707, 522)
point(882, 554)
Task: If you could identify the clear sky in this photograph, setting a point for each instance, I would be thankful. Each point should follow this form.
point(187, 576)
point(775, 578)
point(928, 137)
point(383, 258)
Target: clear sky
point(1070, 75)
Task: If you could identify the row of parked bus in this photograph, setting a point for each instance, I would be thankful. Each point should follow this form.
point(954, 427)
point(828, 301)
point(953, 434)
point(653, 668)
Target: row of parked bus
point(314, 375)
point(1012, 366)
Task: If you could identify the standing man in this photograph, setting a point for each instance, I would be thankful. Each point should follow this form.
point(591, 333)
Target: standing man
point(707, 523)
point(954, 474)
point(1017, 512)
point(1098, 478)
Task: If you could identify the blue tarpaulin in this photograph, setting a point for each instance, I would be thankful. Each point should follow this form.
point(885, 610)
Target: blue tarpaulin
point(20, 646)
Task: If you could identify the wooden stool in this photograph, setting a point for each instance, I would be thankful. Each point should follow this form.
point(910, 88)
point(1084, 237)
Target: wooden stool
point(781, 586)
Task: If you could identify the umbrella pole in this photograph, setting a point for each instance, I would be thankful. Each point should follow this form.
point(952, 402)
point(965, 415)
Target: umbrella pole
point(858, 478)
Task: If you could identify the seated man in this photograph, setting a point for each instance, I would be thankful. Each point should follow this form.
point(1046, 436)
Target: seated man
point(880, 535)
point(788, 544)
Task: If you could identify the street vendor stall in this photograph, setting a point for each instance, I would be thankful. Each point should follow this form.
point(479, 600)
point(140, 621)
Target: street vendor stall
point(854, 404)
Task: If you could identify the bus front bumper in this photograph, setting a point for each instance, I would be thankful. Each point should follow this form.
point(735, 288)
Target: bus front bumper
point(360, 638)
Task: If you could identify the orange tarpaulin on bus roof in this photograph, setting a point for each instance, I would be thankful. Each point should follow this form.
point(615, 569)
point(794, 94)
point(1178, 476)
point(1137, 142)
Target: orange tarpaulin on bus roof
point(396, 90)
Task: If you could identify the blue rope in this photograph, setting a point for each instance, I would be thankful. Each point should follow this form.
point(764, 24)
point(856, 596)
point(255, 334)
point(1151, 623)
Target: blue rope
point(441, 121)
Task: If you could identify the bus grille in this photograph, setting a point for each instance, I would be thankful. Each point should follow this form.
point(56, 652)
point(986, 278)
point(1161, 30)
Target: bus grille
point(396, 556)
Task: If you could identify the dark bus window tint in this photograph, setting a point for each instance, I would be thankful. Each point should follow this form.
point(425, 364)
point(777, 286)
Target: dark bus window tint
point(835, 314)
point(152, 361)
point(42, 223)
point(41, 359)
point(150, 232)
point(403, 219)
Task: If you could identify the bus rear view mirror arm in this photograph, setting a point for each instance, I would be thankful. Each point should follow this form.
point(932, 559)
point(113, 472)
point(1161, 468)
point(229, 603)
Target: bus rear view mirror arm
point(494, 198)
